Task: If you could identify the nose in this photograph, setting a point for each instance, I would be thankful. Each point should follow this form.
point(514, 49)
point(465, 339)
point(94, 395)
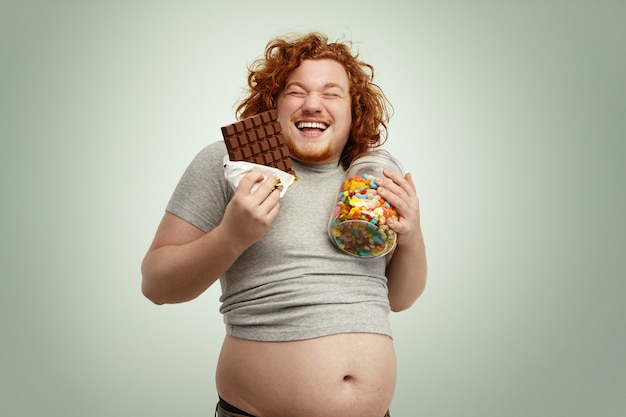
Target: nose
point(312, 103)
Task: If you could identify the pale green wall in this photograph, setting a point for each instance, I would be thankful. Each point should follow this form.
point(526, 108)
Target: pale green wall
point(509, 114)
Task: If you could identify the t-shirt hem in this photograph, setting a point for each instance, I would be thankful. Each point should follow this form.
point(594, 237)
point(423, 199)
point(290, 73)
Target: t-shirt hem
point(267, 335)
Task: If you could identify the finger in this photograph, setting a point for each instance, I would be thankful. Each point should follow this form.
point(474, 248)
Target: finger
point(270, 203)
point(409, 179)
point(267, 195)
point(405, 183)
point(246, 184)
point(401, 196)
point(390, 190)
point(267, 186)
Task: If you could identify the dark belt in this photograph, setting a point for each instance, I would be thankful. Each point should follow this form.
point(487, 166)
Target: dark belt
point(221, 411)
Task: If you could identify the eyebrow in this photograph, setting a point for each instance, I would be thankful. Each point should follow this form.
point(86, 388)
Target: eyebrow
point(326, 86)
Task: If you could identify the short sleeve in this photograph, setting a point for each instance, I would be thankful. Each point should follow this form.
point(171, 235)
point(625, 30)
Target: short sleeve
point(202, 192)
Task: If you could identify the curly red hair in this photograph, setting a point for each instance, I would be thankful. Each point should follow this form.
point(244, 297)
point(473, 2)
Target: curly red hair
point(267, 77)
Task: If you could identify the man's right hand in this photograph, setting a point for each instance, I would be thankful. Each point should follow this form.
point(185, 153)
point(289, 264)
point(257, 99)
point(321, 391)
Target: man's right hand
point(183, 261)
point(252, 210)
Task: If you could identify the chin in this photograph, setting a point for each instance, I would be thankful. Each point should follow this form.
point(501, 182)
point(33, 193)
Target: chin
point(309, 155)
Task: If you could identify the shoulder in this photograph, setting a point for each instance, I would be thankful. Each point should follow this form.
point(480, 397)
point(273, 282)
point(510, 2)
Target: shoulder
point(212, 152)
point(210, 158)
point(202, 191)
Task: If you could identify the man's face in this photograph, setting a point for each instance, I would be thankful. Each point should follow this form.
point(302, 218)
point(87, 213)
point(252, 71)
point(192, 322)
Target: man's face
point(314, 110)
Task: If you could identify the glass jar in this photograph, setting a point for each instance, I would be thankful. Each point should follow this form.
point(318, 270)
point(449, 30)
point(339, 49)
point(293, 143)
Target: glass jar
point(358, 223)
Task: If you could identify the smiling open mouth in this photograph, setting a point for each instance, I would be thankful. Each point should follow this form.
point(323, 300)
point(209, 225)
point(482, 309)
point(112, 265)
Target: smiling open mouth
point(312, 126)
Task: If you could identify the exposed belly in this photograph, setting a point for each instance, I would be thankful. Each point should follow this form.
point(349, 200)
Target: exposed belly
point(348, 375)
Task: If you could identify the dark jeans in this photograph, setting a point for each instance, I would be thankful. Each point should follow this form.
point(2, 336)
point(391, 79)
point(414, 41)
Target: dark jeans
point(220, 411)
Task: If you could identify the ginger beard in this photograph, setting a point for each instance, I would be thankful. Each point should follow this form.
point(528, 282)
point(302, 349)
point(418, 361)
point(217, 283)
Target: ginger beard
point(305, 156)
point(316, 148)
point(309, 154)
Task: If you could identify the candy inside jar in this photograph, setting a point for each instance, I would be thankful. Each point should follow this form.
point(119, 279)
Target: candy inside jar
point(358, 223)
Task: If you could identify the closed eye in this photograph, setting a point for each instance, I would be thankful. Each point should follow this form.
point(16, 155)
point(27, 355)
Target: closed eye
point(295, 93)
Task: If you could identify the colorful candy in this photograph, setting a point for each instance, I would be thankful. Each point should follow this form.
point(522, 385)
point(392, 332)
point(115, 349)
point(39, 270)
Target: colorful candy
point(358, 224)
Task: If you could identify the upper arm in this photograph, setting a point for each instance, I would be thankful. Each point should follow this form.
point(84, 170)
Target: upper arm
point(174, 230)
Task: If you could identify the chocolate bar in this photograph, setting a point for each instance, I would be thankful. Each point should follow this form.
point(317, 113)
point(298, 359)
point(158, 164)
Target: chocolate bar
point(258, 139)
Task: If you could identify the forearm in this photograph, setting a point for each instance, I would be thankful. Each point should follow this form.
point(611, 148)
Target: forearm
point(183, 261)
point(179, 273)
point(406, 275)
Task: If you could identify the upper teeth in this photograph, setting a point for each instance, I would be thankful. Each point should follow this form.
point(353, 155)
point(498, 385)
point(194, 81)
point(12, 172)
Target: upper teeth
point(311, 125)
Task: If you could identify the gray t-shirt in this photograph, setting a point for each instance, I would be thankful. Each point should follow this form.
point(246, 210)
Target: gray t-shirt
point(293, 284)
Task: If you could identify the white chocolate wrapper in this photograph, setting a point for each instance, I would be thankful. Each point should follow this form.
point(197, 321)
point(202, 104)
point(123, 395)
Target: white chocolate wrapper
point(234, 171)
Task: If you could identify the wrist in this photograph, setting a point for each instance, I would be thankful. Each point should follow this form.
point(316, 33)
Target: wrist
point(228, 240)
point(411, 242)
